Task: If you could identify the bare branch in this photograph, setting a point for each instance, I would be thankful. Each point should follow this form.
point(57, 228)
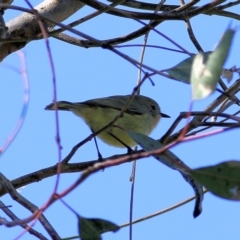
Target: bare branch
point(26, 25)
point(10, 214)
point(28, 205)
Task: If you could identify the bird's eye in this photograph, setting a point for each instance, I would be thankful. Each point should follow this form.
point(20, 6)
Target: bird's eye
point(153, 107)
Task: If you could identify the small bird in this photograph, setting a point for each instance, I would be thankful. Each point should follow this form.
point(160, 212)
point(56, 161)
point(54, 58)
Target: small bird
point(142, 116)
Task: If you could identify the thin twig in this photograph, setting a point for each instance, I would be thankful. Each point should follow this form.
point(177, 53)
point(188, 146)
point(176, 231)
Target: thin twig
point(206, 128)
point(227, 5)
point(161, 211)
point(151, 6)
point(53, 32)
point(197, 120)
point(28, 205)
point(151, 46)
point(10, 214)
point(192, 36)
point(204, 8)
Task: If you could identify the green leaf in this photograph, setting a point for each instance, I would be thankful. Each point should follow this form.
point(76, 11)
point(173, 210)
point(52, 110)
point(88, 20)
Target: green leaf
point(171, 160)
point(182, 71)
point(198, 190)
point(92, 228)
point(222, 180)
point(206, 73)
point(167, 157)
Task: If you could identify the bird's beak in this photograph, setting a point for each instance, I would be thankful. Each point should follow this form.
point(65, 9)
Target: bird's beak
point(164, 115)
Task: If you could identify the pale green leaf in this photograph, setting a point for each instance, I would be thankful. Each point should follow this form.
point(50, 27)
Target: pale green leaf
point(222, 180)
point(182, 71)
point(205, 74)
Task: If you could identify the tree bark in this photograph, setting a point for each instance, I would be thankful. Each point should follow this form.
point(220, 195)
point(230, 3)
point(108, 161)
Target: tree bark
point(26, 24)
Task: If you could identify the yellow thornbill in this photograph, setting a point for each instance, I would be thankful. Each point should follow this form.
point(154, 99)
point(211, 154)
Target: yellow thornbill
point(142, 116)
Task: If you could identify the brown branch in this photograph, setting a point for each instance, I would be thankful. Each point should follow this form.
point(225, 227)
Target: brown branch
point(151, 6)
point(135, 15)
point(197, 120)
point(206, 128)
point(227, 5)
point(89, 43)
point(87, 18)
point(186, 6)
point(204, 8)
point(192, 36)
point(10, 214)
point(7, 185)
point(26, 25)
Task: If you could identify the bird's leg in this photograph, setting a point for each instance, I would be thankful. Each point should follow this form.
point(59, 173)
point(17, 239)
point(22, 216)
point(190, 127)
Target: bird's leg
point(129, 150)
point(99, 154)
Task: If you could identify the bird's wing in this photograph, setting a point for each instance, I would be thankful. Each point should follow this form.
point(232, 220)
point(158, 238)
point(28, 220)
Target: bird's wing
point(116, 102)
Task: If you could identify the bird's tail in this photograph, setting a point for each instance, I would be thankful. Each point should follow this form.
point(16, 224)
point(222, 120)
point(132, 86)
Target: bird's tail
point(62, 105)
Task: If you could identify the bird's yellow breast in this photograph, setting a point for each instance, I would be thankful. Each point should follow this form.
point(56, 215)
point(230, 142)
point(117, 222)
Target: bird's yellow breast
point(97, 117)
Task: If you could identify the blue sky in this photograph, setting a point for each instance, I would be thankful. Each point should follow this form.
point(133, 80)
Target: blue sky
point(84, 74)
